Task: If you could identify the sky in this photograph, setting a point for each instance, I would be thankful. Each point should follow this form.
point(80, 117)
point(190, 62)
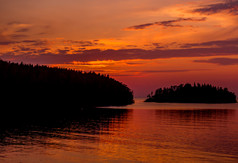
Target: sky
point(146, 44)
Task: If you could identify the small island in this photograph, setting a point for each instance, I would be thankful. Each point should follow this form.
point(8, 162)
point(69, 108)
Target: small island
point(43, 86)
point(196, 93)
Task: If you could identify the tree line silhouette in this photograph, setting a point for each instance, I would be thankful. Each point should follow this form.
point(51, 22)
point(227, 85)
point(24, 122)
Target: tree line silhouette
point(42, 85)
point(196, 93)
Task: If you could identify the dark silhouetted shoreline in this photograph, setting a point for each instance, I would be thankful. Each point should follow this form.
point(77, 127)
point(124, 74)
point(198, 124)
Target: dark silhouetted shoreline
point(45, 87)
point(197, 93)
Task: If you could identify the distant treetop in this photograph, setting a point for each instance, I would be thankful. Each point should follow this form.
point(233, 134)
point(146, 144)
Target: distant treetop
point(196, 93)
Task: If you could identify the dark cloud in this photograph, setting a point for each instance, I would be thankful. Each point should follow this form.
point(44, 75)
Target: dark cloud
point(63, 51)
point(229, 6)
point(219, 43)
point(122, 75)
point(131, 46)
point(35, 42)
point(161, 71)
point(40, 43)
point(220, 61)
point(79, 50)
point(83, 43)
point(134, 63)
point(14, 23)
point(136, 73)
point(141, 26)
point(44, 50)
point(27, 42)
point(43, 58)
point(157, 45)
point(25, 49)
point(169, 23)
point(4, 40)
point(17, 36)
point(42, 33)
point(44, 55)
point(7, 42)
point(23, 30)
point(62, 56)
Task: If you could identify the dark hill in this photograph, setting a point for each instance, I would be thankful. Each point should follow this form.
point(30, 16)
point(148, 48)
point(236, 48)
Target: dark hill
point(43, 86)
point(197, 93)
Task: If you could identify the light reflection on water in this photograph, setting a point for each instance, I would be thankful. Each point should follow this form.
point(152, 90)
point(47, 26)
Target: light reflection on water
point(143, 132)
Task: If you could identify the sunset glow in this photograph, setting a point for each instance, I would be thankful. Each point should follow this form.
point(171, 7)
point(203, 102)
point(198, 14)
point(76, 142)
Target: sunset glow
point(144, 44)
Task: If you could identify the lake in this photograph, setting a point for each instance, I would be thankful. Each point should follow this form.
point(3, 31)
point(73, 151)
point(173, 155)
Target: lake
point(142, 132)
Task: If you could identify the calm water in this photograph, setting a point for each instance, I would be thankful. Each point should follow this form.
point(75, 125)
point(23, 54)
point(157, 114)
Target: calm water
point(143, 132)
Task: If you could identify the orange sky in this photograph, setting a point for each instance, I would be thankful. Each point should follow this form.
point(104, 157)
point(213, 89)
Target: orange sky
point(146, 44)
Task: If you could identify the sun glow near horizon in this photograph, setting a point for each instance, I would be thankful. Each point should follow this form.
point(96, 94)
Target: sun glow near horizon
point(145, 44)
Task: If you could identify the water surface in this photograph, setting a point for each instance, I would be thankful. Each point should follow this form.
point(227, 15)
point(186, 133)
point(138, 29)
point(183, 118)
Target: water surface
point(143, 132)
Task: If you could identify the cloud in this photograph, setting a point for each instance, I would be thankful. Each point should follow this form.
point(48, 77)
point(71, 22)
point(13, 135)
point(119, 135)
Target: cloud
point(4, 40)
point(84, 43)
point(61, 56)
point(63, 51)
point(160, 71)
point(137, 73)
point(163, 71)
point(25, 49)
point(220, 61)
point(7, 42)
point(17, 36)
point(168, 23)
point(23, 30)
point(133, 63)
point(17, 31)
point(25, 42)
point(36, 42)
point(141, 26)
point(218, 43)
point(31, 51)
point(229, 6)
point(14, 23)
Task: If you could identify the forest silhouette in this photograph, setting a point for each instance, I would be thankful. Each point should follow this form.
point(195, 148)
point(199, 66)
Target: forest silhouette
point(196, 93)
point(35, 85)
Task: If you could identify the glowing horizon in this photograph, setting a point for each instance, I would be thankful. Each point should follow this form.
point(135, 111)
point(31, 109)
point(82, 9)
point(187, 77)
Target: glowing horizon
point(144, 44)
